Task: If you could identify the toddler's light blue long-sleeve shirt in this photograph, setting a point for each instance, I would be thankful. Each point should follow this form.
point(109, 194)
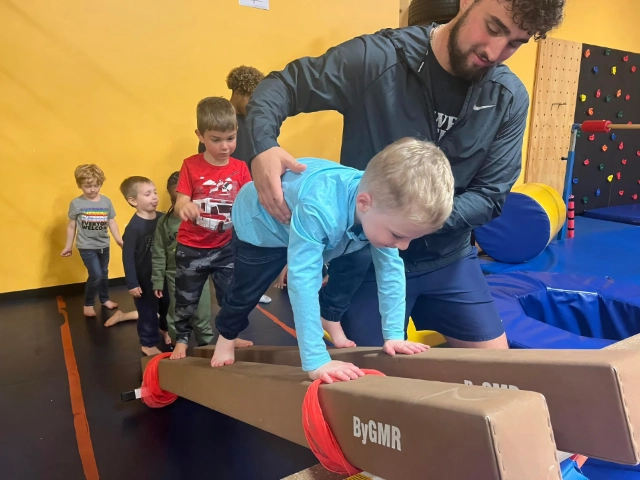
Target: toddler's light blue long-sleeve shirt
point(322, 201)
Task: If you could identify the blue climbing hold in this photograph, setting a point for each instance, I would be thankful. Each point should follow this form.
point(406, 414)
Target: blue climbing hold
point(613, 136)
point(595, 69)
point(575, 180)
point(597, 192)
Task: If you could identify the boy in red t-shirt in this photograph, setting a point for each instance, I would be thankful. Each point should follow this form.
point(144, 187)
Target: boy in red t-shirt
point(208, 185)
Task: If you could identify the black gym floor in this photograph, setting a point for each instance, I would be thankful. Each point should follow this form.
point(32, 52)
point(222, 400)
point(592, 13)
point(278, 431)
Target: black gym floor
point(130, 440)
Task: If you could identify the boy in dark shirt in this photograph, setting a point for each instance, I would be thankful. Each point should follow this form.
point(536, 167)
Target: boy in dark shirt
point(141, 194)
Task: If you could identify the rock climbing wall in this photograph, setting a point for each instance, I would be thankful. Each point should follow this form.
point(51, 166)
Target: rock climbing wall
point(607, 166)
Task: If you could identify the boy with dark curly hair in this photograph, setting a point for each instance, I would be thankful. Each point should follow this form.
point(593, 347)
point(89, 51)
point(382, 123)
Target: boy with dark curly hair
point(242, 81)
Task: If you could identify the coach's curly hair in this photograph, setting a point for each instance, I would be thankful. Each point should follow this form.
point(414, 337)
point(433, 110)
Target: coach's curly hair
point(538, 17)
point(244, 80)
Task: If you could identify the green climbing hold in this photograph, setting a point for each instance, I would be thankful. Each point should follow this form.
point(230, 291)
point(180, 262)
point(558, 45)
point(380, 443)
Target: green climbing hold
point(619, 114)
point(601, 167)
point(578, 133)
point(608, 98)
point(585, 200)
point(607, 51)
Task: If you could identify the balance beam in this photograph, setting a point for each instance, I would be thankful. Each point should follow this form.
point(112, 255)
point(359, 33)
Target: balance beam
point(396, 428)
point(593, 395)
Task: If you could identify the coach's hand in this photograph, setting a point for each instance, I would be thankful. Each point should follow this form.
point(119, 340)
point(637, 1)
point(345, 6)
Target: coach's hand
point(266, 170)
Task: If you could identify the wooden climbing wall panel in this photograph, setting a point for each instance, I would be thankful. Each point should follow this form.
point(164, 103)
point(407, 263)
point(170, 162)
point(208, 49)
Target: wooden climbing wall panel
point(553, 110)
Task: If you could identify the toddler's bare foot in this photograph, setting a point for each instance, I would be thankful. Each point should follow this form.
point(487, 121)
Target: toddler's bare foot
point(165, 337)
point(119, 316)
point(224, 353)
point(89, 312)
point(110, 305)
point(240, 343)
point(338, 338)
point(180, 351)
point(150, 351)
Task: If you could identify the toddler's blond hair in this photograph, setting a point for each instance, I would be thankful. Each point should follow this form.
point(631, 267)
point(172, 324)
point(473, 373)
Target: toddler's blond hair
point(88, 172)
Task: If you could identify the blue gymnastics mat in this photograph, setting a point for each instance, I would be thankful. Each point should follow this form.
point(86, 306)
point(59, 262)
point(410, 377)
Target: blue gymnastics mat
point(621, 213)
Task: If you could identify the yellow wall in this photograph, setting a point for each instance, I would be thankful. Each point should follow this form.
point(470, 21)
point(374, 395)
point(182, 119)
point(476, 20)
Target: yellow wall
point(610, 24)
point(116, 83)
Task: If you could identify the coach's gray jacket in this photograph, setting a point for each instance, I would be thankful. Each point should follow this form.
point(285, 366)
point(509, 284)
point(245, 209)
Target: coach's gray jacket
point(380, 84)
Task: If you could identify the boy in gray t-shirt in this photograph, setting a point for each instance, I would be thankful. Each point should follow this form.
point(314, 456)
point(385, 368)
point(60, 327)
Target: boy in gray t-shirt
point(91, 214)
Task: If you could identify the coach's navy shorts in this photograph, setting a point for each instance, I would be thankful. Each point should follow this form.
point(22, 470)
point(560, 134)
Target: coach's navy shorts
point(454, 300)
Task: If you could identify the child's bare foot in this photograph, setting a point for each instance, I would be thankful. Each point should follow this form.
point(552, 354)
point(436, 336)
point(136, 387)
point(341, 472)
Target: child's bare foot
point(165, 337)
point(338, 338)
point(150, 351)
point(240, 343)
point(119, 316)
point(179, 351)
point(224, 353)
point(110, 305)
point(89, 312)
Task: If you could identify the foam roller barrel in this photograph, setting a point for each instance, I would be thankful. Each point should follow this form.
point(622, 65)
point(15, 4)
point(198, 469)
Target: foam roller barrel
point(532, 216)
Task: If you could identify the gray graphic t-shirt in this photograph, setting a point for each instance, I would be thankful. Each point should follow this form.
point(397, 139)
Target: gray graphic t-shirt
point(92, 221)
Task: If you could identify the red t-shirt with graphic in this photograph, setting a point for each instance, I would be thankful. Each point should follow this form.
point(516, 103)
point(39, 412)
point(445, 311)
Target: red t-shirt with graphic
point(214, 189)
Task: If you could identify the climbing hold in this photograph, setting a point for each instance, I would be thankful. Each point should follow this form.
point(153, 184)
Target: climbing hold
point(638, 153)
point(590, 111)
point(598, 93)
point(624, 161)
point(634, 196)
point(592, 137)
point(586, 162)
point(607, 51)
point(633, 69)
point(620, 145)
point(587, 53)
point(585, 200)
point(601, 167)
point(619, 114)
point(583, 98)
point(595, 69)
point(575, 180)
point(608, 98)
point(618, 175)
point(628, 97)
point(621, 192)
point(610, 178)
point(618, 93)
point(597, 192)
point(614, 70)
point(578, 133)
point(625, 58)
point(613, 136)
point(604, 148)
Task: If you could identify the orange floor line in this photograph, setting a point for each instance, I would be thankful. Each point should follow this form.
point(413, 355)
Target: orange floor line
point(83, 436)
point(277, 321)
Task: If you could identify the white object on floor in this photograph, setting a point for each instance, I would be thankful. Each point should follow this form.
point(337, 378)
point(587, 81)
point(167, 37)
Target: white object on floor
point(261, 4)
point(265, 299)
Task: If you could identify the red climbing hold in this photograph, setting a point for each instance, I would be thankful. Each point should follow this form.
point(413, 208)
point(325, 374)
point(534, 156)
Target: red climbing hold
point(634, 196)
point(586, 162)
point(592, 137)
point(638, 153)
point(618, 175)
point(598, 93)
point(625, 58)
point(624, 161)
point(628, 97)
point(621, 146)
point(633, 69)
point(621, 192)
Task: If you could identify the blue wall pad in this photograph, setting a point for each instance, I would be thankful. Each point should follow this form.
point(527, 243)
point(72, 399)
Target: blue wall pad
point(599, 249)
point(561, 311)
point(622, 213)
